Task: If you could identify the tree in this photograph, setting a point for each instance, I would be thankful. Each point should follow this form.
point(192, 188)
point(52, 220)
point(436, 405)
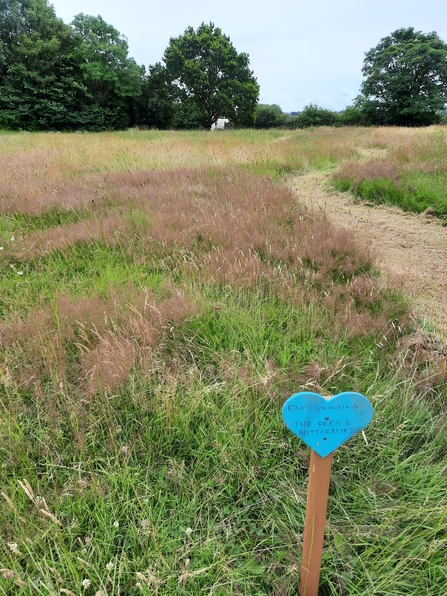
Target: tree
point(313, 115)
point(40, 83)
point(57, 77)
point(353, 115)
point(209, 79)
point(112, 78)
point(406, 79)
point(269, 116)
point(10, 28)
point(157, 107)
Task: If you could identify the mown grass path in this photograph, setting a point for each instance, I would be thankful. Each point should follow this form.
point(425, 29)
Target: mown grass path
point(412, 249)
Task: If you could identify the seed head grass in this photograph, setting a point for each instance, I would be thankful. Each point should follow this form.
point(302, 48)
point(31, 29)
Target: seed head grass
point(173, 293)
point(410, 172)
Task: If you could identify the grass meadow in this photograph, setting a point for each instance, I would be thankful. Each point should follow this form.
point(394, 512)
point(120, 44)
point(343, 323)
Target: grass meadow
point(407, 169)
point(161, 295)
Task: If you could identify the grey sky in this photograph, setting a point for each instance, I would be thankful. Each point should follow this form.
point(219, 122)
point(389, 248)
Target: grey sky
point(301, 51)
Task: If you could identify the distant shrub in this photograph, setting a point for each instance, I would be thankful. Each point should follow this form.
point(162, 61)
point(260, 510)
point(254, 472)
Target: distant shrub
point(442, 117)
point(353, 116)
point(313, 115)
point(269, 116)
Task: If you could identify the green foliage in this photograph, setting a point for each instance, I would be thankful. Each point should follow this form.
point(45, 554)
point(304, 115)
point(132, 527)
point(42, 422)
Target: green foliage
point(157, 107)
point(353, 115)
point(111, 78)
point(269, 116)
point(41, 86)
point(313, 115)
point(55, 77)
point(406, 79)
point(209, 79)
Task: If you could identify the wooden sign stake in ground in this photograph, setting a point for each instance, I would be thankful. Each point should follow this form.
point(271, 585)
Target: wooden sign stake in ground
point(323, 423)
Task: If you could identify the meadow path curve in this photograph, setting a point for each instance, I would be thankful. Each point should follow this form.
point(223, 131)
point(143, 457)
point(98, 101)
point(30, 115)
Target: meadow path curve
point(411, 249)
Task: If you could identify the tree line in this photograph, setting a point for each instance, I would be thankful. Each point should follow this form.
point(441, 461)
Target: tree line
point(405, 85)
point(55, 76)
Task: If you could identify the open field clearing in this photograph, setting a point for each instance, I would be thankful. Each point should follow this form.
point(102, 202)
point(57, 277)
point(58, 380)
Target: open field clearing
point(161, 295)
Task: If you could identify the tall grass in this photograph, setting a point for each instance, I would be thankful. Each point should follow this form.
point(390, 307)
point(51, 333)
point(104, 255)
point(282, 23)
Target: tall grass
point(43, 159)
point(152, 324)
point(410, 172)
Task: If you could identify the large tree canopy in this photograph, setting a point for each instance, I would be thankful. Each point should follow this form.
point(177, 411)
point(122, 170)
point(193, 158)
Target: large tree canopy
point(208, 79)
point(112, 78)
point(157, 106)
point(103, 58)
point(40, 84)
point(406, 79)
point(57, 77)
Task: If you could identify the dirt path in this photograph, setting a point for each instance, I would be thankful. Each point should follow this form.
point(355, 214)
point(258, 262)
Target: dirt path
point(411, 249)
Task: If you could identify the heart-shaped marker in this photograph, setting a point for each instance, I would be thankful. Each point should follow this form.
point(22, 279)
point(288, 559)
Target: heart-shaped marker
point(325, 424)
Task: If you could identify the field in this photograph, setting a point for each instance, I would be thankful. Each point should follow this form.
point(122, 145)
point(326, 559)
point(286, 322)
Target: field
point(409, 170)
point(162, 294)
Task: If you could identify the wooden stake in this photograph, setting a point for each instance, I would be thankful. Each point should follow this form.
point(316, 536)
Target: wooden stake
point(316, 508)
point(323, 423)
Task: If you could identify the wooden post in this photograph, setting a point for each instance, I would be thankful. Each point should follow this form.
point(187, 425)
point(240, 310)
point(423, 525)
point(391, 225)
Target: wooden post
point(316, 508)
point(323, 423)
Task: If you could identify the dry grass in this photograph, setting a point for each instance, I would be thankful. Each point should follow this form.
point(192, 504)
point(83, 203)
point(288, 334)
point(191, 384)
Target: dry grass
point(369, 170)
point(89, 344)
point(49, 163)
point(40, 172)
point(226, 209)
point(208, 226)
point(392, 152)
point(202, 225)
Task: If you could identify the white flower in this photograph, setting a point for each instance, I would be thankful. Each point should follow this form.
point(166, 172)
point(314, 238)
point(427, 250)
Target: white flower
point(19, 272)
point(116, 524)
point(86, 583)
point(188, 531)
point(12, 238)
point(2, 248)
point(109, 566)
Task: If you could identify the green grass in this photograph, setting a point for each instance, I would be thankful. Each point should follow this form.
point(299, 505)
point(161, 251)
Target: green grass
point(416, 193)
point(199, 482)
point(186, 481)
point(83, 269)
point(409, 173)
point(180, 477)
point(24, 223)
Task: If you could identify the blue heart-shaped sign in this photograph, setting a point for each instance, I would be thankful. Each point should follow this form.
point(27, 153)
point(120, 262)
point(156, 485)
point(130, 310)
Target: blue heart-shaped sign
point(325, 424)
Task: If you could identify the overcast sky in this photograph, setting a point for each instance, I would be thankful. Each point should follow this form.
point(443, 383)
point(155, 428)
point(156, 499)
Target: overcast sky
point(301, 51)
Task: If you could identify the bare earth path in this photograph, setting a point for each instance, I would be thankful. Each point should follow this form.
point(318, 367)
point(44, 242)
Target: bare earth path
point(410, 248)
